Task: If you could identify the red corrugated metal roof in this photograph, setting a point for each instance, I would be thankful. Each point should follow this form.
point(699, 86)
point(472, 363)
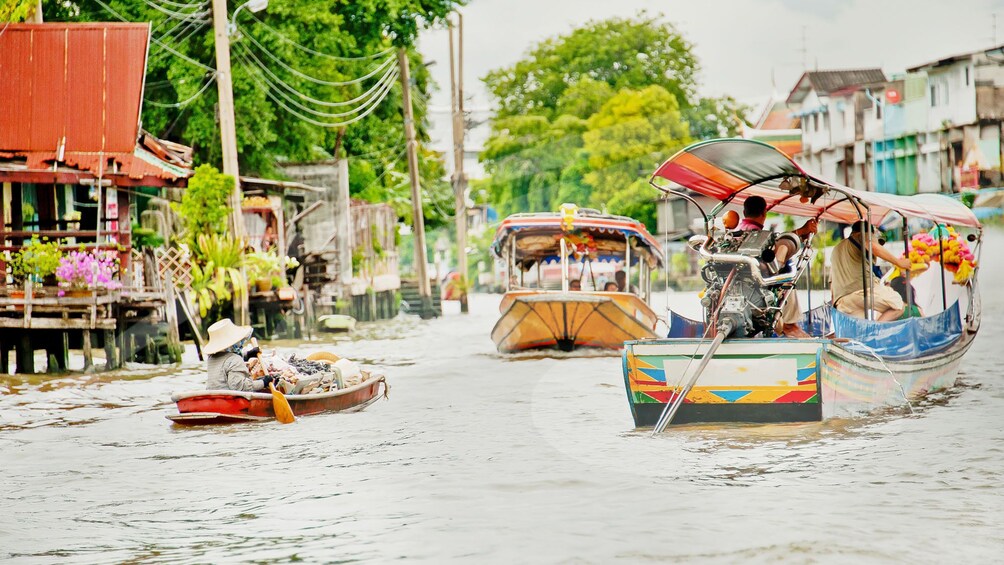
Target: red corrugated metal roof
point(72, 95)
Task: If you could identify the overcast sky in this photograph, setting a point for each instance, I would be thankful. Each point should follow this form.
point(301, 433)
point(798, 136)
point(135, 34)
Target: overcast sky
point(740, 44)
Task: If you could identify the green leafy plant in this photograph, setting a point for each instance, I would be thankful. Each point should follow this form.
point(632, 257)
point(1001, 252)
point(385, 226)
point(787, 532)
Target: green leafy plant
point(358, 257)
point(223, 250)
point(36, 260)
point(214, 286)
point(143, 238)
point(205, 205)
point(216, 275)
point(27, 212)
point(263, 265)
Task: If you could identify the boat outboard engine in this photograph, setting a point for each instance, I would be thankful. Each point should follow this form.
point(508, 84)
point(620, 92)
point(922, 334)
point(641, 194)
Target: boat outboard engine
point(742, 286)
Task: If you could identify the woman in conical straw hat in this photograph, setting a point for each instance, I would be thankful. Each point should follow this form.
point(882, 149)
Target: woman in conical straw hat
point(225, 363)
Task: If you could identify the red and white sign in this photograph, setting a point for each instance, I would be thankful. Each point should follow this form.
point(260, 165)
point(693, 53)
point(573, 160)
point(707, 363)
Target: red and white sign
point(892, 96)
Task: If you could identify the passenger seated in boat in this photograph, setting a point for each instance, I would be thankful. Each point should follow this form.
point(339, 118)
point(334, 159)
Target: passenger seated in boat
point(225, 365)
point(847, 285)
point(911, 310)
point(754, 216)
point(575, 284)
point(622, 286)
point(610, 287)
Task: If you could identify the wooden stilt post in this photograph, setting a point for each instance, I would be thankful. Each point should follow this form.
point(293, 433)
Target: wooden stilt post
point(171, 315)
point(111, 351)
point(25, 354)
point(88, 355)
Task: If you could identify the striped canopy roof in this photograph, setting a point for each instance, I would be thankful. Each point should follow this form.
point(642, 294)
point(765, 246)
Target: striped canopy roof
point(597, 224)
point(735, 169)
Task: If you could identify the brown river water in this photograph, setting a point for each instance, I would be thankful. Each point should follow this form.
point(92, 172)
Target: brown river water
point(482, 458)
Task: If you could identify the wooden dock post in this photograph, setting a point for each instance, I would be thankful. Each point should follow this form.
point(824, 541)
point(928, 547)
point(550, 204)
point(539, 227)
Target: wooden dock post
point(111, 351)
point(88, 354)
point(4, 359)
point(25, 356)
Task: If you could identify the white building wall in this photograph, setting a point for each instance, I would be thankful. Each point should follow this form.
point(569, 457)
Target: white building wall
point(949, 96)
point(929, 162)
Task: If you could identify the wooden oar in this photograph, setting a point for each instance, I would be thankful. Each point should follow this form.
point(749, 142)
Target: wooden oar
point(281, 407)
point(283, 412)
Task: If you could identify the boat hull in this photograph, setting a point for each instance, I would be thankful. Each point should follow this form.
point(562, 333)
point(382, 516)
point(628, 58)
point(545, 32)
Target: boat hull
point(570, 320)
point(223, 406)
point(777, 380)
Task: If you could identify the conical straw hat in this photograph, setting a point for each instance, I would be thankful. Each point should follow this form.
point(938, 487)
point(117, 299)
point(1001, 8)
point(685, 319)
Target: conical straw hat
point(224, 334)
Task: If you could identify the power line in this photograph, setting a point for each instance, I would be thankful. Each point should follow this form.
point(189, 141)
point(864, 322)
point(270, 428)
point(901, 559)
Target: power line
point(172, 14)
point(374, 100)
point(157, 41)
point(373, 104)
point(308, 119)
point(189, 100)
point(305, 76)
point(377, 86)
point(182, 5)
point(285, 39)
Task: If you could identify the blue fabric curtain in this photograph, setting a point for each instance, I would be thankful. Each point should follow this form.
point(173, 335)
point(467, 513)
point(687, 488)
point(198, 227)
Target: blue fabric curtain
point(913, 337)
point(680, 326)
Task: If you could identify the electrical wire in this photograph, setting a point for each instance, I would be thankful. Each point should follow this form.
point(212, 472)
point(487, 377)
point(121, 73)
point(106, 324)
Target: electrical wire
point(182, 5)
point(283, 64)
point(187, 101)
point(163, 45)
point(310, 51)
point(309, 120)
point(369, 105)
point(176, 15)
point(377, 86)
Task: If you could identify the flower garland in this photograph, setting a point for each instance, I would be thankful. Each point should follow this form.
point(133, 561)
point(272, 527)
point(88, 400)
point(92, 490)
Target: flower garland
point(579, 243)
point(955, 253)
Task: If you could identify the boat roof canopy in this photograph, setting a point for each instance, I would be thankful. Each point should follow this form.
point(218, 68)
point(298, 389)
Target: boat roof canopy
point(536, 237)
point(732, 170)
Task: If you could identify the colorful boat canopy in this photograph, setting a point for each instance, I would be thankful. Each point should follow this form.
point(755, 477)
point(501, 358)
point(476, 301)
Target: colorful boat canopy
point(735, 169)
point(538, 234)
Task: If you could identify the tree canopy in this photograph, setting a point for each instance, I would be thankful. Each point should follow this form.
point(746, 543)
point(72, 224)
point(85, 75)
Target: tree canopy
point(585, 117)
point(302, 69)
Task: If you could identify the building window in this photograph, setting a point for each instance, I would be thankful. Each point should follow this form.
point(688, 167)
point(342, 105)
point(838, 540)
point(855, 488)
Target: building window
point(815, 122)
point(878, 111)
point(934, 96)
point(967, 76)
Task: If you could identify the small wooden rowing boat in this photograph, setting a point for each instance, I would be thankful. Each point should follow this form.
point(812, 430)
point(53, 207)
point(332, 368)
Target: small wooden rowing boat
point(226, 406)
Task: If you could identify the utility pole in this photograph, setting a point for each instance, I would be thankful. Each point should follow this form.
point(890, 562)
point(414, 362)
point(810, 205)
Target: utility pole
point(417, 216)
point(459, 178)
point(228, 129)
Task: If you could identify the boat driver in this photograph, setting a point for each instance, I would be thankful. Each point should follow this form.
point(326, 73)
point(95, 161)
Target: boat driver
point(847, 284)
point(754, 216)
point(225, 362)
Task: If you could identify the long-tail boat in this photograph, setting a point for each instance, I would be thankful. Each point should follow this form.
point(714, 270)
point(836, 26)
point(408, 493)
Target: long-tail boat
point(574, 309)
point(728, 367)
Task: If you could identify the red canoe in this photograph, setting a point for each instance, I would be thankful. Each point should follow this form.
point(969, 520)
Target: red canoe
point(223, 406)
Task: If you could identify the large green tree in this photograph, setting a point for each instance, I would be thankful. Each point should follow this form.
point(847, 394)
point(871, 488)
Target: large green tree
point(626, 139)
point(586, 116)
point(295, 67)
point(621, 52)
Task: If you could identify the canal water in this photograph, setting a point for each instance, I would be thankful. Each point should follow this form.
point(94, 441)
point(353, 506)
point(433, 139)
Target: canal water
point(482, 458)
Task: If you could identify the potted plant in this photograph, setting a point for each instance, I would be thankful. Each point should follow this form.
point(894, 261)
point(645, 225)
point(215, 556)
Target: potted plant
point(36, 262)
point(261, 267)
point(83, 272)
